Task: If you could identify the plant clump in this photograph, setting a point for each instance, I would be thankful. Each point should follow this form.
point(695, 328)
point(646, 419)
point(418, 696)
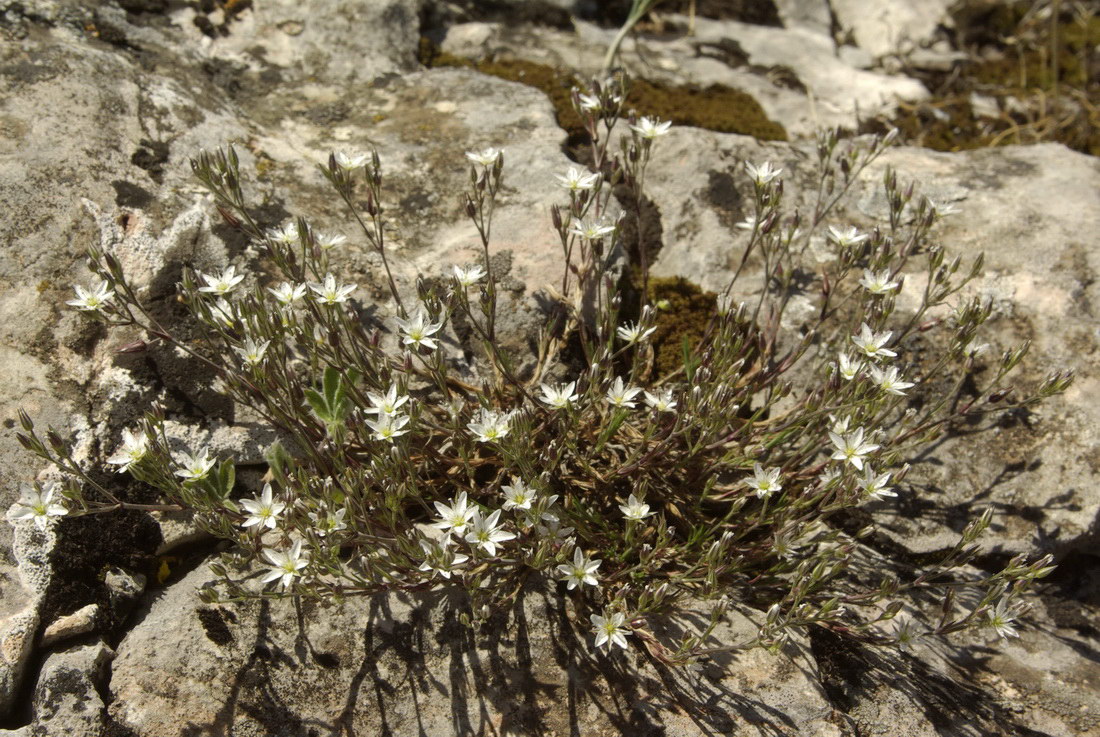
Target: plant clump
point(710, 480)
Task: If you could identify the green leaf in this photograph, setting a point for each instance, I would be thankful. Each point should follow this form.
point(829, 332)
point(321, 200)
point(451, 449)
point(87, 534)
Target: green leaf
point(227, 477)
point(280, 461)
point(332, 386)
point(319, 406)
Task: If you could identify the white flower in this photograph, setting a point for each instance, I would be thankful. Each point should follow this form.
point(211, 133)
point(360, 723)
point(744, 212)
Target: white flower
point(469, 276)
point(634, 509)
point(39, 506)
point(222, 283)
point(441, 559)
point(903, 631)
point(387, 405)
point(91, 301)
point(633, 332)
point(559, 396)
point(418, 330)
point(486, 532)
point(943, 210)
point(575, 180)
point(327, 242)
point(581, 571)
point(287, 235)
point(591, 231)
point(620, 395)
point(765, 480)
point(455, 517)
point(651, 128)
point(285, 565)
point(874, 485)
point(388, 427)
point(221, 312)
point(133, 449)
point(847, 237)
point(330, 293)
point(287, 294)
point(847, 367)
point(851, 448)
point(662, 402)
point(252, 352)
point(888, 380)
point(194, 467)
point(486, 157)
point(324, 524)
point(518, 495)
point(590, 103)
point(878, 282)
point(552, 529)
point(350, 161)
point(610, 630)
point(872, 343)
point(263, 511)
point(763, 174)
point(490, 426)
point(1002, 616)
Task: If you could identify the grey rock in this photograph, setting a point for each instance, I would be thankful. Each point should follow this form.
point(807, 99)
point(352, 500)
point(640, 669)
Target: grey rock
point(810, 15)
point(24, 590)
point(885, 26)
point(124, 589)
point(67, 698)
point(63, 628)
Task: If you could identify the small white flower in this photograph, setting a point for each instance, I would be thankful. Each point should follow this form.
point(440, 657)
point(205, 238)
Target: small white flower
point(38, 506)
point(878, 282)
point(903, 632)
point(441, 559)
point(286, 235)
point(559, 396)
point(552, 529)
point(194, 467)
point(847, 367)
point(582, 570)
point(469, 276)
point(418, 330)
point(634, 509)
point(763, 174)
point(486, 533)
point(575, 180)
point(490, 426)
point(765, 481)
point(263, 511)
point(851, 448)
point(453, 518)
point(324, 524)
point(590, 103)
point(221, 312)
point(872, 343)
point(592, 230)
point(1003, 616)
point(388, 427)
point(252, 353)
point(351, 161)
point(330, 293)
point(518, 495)
point(133, 449)
point(387, 405)
point(327, 242)
point(634, 332)
point(91, 301)
point(662, 402)
point(847, 237)
point(287, 294)
point(942, 211)
point(650, 128)
point(285, 565)
point(874, 485)
point(486, 157)
point(620, 395)
point(222, 283)
point(610, 630)
point(889, 381)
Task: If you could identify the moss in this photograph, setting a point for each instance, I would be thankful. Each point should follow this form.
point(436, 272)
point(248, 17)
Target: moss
point(684, 311)
point(716, 108)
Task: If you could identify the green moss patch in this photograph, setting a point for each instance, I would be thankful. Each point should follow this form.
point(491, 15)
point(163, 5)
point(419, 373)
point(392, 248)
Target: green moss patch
point(683, 313)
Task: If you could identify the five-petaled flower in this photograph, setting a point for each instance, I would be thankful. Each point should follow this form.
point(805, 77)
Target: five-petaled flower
point(765, 481)
point(348, 162)
point(93, 300)
point(486, 533)
point(285, 565)
point(133, 449)
point(662, 402)
point(468, 276)
point(620, 395)
point(635, 509)
point(252, 352)
point(441, 559)
point(872, 343)
point(634, 332)
point(889, 381)
point(287, 294)
point(388, 427)
point(39, 506)
point(263, 511)
point(592, 230)
point(763, 174)
point(874, 484)
point(485, 157)
point(455, 517)
point(847, 237)
point(650, 128)
point(1002, 617)
point(386, 405)
point(324, 523)
point(878, 282)
point(576, 180)
point(851, 447)
point(418, 330)
point(286, 235)
point(518, 495)
point(581, 571)
point(559, 396)
point(222, 283)
point(847, 367)
point(331, 293)
point(327, 242)
point(610, 630)
point(194, 467)
point(490, 426)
